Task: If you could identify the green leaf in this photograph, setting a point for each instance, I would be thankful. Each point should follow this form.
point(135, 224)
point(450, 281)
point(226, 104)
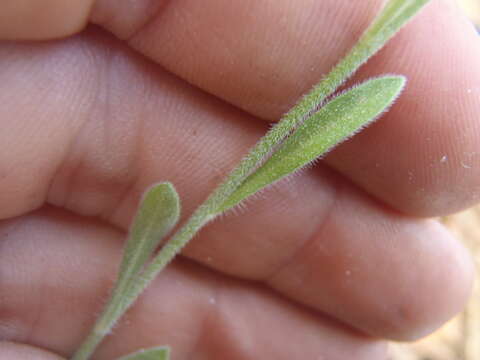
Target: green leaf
point(394, 15)
point(337, 120)
point(158, 213)
point(157, 353)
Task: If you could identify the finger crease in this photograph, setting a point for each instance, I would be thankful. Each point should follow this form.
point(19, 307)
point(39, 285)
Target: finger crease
point(337, 189)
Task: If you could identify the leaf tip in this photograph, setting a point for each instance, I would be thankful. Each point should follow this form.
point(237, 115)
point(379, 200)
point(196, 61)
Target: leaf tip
point(165, 193)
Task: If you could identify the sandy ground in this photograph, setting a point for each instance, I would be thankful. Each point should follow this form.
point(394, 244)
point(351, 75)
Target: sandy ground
point(472, 8)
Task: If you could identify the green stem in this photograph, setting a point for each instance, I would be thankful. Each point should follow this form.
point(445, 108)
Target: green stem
point(105, 322)
point(88, 346)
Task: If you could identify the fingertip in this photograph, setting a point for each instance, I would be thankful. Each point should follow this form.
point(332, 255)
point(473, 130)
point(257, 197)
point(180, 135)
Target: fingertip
point(437, 292)
point(42, 20)
point(10, 350)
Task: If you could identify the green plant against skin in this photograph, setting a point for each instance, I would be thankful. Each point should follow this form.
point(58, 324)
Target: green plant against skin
point(314, 126)
point(157, 353)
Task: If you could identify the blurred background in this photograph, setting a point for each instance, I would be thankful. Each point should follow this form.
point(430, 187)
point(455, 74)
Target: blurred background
point(472, 9)
point(460, 338)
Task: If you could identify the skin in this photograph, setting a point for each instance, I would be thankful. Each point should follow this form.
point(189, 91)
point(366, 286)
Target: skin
point(324, 265)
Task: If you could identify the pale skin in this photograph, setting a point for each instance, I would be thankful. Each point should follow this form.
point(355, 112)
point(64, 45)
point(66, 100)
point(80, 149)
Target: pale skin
point(329, 264)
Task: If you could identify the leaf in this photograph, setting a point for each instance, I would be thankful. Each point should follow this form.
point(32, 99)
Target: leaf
point(158, 213)
point(394, 15)
point(336, 121)
point(157, 353)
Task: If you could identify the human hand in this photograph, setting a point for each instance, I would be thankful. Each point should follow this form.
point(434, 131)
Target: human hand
point(324, 265)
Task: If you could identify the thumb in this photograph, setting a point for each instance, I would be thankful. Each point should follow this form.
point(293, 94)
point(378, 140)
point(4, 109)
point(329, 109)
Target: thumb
point(39, 20)
point(9, 351)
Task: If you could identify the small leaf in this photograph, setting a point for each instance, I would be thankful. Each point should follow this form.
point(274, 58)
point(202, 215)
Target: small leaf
point(158, 213)
point(336, 121)
point(157, 353)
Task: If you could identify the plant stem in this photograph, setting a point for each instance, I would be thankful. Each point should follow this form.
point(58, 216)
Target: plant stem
point(88, 346)
point(104, 324)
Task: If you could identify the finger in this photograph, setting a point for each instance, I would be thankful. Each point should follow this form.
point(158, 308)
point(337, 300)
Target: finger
point(9, 350)
point(353, 259)
point(53, 263)
point(114, 157)
point(34, 20)
point(262, 56)
point(42, 111)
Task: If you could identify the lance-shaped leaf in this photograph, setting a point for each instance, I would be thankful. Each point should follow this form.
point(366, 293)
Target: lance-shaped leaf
point(394, 15)
point(337, 120)
point(157, 353)
point(158, 213)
